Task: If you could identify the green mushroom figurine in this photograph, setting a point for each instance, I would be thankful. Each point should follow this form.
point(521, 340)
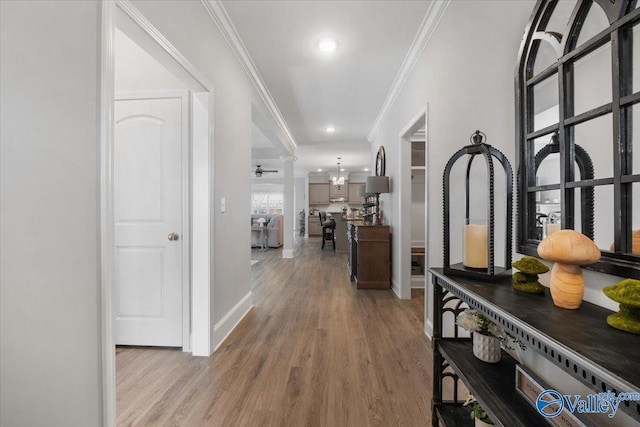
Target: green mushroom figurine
point(526, 280)
point(627, 293)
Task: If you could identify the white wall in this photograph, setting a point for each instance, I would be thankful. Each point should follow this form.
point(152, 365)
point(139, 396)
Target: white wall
point(465, 76)
point(50, 338)
point(135, 69)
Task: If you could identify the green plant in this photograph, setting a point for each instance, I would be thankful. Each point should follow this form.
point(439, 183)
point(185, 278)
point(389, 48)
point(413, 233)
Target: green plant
point(477, 411)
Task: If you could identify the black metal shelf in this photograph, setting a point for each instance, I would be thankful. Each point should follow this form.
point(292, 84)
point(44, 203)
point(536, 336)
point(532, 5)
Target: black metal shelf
point(493, 384)
point(578, 341)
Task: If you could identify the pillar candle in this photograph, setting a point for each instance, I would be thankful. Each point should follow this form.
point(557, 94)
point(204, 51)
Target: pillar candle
point(475, 246)
point(552, 228)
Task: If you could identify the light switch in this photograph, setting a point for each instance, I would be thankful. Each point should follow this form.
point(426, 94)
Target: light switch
point(223, 205)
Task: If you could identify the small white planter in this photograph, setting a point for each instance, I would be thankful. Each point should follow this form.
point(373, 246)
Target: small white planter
point(486, 348)
point(480, 423)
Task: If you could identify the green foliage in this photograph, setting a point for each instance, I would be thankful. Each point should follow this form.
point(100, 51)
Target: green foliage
point(477, 411)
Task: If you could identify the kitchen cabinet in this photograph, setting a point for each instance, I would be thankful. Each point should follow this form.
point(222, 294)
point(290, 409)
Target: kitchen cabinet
point(319, 194)
point(314, 225)
point(354, 199)
point(339, 191)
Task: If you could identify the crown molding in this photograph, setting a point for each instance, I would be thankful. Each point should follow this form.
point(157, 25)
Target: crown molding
point(425, 31)
point(219, 15)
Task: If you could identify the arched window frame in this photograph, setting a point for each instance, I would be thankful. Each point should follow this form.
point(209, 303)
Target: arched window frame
point(622, 16)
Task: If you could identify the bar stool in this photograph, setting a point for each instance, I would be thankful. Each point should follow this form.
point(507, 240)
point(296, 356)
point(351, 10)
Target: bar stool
point(328, 229)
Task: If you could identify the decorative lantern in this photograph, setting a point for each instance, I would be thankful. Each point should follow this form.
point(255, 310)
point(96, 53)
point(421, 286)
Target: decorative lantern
point(479, 228)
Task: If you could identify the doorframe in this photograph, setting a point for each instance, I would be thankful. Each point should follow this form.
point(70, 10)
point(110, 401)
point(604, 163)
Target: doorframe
point(404, 238)
point(201, 295)
point(185, 190)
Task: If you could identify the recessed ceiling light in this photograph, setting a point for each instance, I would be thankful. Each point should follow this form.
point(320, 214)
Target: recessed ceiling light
point(330, 129)
point(366, 169)
point(319, 170)
point(327, 45)
point(341, 169)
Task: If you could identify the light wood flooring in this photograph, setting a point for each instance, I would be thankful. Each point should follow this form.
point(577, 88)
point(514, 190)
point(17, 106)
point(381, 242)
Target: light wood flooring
point(313, 351)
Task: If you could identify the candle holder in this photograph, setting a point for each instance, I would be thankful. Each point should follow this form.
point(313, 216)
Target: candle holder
point(478, 244)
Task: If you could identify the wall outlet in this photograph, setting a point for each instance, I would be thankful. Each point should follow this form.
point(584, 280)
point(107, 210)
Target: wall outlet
point(223, 205)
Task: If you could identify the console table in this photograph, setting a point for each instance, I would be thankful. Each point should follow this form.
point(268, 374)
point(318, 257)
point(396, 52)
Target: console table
point(578, 341)
point(369, 255)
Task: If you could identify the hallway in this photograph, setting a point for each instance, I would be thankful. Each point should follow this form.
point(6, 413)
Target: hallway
point(313, 351)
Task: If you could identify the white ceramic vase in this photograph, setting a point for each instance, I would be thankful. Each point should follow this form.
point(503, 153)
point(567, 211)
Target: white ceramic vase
point(486, 348)
point(480, 423)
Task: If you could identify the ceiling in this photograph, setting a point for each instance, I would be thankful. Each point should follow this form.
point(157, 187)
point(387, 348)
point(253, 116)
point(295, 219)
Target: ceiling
point(345, 89)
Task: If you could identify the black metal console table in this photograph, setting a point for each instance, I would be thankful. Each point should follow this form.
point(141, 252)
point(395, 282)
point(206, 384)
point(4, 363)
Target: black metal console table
point(578, 341)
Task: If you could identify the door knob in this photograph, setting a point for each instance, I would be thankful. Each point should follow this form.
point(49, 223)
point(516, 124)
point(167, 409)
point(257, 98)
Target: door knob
point(173, 236)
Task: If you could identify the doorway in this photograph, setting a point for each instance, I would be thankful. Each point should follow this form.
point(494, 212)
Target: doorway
point(414, 233)
point(151, 83)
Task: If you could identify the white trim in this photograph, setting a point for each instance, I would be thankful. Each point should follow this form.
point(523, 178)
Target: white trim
point(107, 88)
point(201, 248)
point(220, 17)
point(228, 323)
point(287, 253)
point(395, 288)
point(426, 30)
point(428, 329)
point(138, 18)
point(186, 222)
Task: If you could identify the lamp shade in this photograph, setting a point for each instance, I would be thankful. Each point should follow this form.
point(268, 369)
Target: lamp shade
point(377, 184)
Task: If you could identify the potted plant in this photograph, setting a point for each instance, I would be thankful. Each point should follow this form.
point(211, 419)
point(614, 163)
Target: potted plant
point(480, 416)
point(487, 336)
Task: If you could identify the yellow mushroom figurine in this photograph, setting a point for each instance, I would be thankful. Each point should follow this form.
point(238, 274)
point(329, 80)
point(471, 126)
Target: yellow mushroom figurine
point(569, 250)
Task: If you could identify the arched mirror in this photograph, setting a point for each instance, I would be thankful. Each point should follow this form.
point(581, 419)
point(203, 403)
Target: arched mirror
point(578, 96)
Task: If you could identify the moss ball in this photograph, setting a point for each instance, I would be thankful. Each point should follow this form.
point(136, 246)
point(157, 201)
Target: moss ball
point(529, 287)
point(625, 292)
point(523, 277)
point(627, 319)
point(530, 265)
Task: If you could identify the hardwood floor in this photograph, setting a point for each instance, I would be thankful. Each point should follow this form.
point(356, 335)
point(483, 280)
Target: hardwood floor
point(312, 352)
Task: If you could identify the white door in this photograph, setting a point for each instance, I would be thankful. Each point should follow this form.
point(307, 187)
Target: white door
point(148, 210)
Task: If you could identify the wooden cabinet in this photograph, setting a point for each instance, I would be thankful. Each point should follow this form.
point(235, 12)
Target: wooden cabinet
point(369, 255)
point(579, 342)
point(353, 193)
point(337, 192)
point(319, 194)
point(314, 226)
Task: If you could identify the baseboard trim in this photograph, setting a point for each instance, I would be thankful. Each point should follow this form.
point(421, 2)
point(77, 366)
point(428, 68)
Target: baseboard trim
point(228, 323)
point(287, 253)
point(395, 288)
point(428, 329)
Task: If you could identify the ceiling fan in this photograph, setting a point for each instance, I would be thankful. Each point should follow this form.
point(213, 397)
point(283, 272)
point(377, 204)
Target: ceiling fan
point(259, 171)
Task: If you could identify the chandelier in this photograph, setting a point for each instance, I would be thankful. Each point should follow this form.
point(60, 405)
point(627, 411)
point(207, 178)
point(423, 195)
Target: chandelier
point(338, 180)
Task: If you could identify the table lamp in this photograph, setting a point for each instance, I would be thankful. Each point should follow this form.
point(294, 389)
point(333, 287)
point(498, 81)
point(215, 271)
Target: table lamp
point(377, 185)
